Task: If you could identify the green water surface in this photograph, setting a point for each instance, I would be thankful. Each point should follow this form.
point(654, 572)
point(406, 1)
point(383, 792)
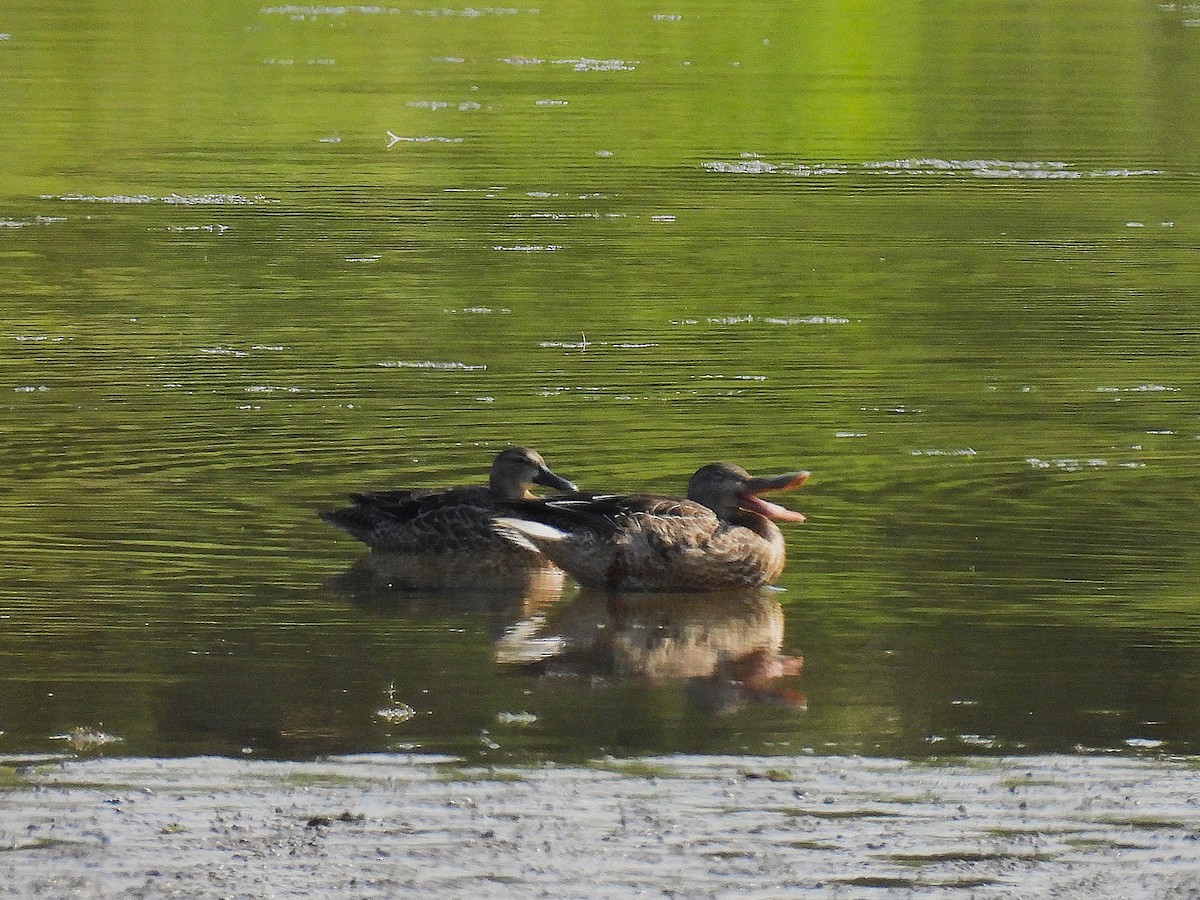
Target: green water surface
point(946, 256)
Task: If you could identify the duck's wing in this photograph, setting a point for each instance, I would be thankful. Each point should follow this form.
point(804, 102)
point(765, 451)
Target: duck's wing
point(419, 520)
point(605, 512)
point(629, 541)
point(401, 495)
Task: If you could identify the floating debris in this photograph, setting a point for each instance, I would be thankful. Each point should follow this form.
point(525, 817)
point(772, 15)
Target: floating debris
point(586, 64)
point(470, 12)
point(965, 451)
point(806, 320)
point(396, 713)
point(214, 228)
point(515, 718)
point(978, 740)
point(173, 199)
point(87, 738)
point(1138, 389)
point(1066, 464)
point(729, 320)
point(1143, 743)
point(394, 139)
point(752, 164)
point(298, 12)
point(432, 364)
point(216, 200)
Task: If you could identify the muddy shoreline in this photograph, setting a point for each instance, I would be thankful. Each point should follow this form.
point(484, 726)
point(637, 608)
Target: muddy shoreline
point(387, 826)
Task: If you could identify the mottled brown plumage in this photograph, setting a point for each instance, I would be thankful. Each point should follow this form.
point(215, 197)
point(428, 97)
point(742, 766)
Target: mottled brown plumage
point(720, 537)
point(446, 537)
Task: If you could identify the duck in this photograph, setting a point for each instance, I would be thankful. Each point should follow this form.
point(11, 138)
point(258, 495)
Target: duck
point(721, 536)
point(445, 537)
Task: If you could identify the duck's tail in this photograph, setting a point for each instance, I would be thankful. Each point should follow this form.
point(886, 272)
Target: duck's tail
point(351, 519)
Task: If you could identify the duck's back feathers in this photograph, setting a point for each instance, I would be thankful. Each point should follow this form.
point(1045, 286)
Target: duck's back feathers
point(430, 521)
point(642, 542)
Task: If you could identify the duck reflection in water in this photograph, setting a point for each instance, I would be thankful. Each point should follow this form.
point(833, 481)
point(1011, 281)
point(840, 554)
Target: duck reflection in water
point(499, 607)
point(725, 645)
point(422, 538)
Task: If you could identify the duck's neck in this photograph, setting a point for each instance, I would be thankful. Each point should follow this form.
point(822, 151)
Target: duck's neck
point(760, 525)
point(506, 490)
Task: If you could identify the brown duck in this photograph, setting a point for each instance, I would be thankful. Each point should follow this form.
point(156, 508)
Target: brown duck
point(720, 537)
point(445, 537)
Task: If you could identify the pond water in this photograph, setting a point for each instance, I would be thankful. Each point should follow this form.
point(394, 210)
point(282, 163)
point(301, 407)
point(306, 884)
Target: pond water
point(945, 256)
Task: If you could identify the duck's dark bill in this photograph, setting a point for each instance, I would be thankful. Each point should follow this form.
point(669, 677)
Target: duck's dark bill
point(546, 478)
point(765, 484)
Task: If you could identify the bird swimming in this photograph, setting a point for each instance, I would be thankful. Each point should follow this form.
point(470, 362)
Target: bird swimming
point(445, 537)
point(721, 536)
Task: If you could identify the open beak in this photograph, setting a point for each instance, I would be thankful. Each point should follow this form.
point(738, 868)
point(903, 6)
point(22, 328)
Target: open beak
point(767, 484)
point(546, 478)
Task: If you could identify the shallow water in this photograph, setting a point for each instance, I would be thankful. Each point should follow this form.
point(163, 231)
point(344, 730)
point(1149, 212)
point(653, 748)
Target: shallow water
point(256, 257)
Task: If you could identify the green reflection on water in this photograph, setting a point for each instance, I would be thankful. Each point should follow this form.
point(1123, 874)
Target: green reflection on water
point(944, 257)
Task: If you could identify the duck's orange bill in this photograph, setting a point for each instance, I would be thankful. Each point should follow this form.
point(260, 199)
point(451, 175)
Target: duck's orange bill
point(769, 483)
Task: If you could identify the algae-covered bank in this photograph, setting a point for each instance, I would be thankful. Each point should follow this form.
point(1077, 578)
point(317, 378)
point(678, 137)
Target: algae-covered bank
point(391, 826)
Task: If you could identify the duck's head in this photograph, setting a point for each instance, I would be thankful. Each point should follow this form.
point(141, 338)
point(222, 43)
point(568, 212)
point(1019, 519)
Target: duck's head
point(517, 469)
point(725, 489)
